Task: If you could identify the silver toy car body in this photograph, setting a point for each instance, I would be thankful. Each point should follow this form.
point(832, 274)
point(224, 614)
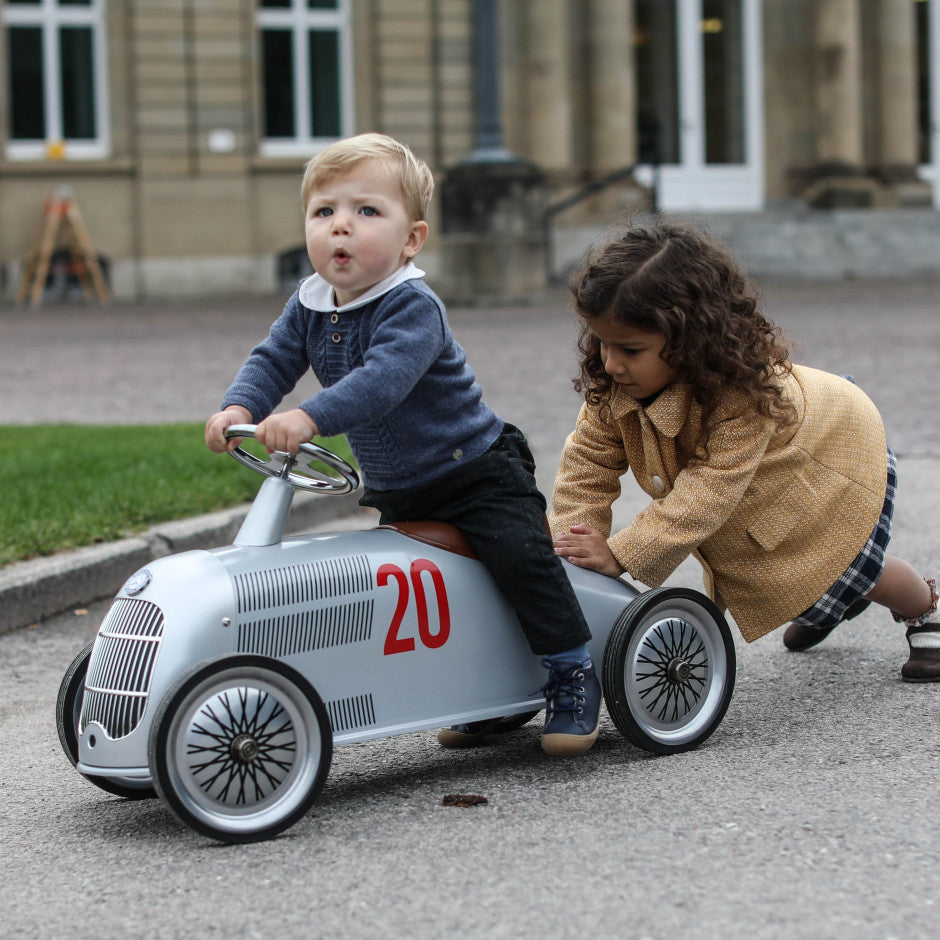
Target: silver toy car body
point(222, 680)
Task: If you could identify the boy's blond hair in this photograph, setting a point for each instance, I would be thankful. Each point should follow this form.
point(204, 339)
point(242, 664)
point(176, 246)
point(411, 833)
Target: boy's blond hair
point(417, 183)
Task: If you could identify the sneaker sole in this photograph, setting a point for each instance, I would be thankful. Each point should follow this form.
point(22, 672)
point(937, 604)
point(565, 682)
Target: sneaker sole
point(568, 745)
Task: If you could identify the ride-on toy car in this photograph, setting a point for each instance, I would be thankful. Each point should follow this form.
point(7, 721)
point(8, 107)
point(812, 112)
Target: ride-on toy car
point(222, 680)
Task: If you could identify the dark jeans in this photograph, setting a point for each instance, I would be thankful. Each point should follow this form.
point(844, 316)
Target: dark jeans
point(495, 503)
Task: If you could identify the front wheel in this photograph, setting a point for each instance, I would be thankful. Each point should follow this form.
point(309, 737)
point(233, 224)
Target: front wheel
point(240, 749)
point(68, 709)
point(669, 669)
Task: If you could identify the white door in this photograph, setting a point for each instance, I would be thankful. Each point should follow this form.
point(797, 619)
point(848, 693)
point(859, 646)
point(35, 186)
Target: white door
point(700, 85)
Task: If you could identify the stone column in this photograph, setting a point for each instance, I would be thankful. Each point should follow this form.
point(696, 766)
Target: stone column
point(838, 84)
point(612, 85)
point(548, 81)
point(840, 181)
point(897, 88)
point(492, 202)
point(611, 122)
point(898, 156)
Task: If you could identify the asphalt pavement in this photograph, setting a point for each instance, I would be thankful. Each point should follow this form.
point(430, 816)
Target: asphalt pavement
point(811, 812)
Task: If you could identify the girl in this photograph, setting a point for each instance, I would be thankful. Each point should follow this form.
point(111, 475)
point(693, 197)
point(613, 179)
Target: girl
point(775, 476)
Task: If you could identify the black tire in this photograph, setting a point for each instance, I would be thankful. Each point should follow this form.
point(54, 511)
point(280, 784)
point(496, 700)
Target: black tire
point(669, 669)
point(68, 708)
point(240, 748)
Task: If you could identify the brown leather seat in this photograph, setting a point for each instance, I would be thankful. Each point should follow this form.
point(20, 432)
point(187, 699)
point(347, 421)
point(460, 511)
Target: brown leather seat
point(439, 534)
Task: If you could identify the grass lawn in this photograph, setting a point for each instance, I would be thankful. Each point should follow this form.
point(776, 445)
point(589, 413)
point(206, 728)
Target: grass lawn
point(65, 486)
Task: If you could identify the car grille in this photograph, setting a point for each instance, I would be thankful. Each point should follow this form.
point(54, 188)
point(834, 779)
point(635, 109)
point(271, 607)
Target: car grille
point(121, 665)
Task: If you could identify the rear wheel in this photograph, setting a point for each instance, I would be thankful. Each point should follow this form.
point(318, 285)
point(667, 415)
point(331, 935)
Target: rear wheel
point(240, 749)
point(669, 669)
point(68, 709)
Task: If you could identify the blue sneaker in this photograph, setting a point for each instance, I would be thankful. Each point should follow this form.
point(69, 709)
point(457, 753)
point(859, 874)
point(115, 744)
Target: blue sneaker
point(572, 708)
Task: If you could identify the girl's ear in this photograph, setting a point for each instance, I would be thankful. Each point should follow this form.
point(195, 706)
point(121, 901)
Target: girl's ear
point(416, 239)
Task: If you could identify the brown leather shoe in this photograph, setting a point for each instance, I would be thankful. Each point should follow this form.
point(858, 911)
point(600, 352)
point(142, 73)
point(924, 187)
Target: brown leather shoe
point(797, 638)
point(477, 731)
point(924, 662)
point(467, 735)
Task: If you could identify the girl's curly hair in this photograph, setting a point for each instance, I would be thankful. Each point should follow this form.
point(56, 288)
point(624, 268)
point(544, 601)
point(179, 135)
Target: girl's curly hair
point(669, 279)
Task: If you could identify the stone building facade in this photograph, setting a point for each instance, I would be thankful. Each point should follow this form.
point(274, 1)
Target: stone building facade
point(181, 126)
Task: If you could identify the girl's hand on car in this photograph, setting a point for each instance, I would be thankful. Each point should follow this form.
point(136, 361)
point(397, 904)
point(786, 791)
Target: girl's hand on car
point(587, 547)
point(286, 432)
point(216, 425)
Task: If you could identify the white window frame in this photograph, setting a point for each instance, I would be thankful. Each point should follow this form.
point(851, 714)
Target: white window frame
point(49, 16)
point(692, 183)
point(300, 20)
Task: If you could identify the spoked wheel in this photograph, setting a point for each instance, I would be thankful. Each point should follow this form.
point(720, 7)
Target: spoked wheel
point(669, 668)
point(68, 709)
point(240, 749)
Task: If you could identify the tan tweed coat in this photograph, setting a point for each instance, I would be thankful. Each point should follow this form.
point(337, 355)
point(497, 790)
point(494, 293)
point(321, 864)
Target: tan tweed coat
point(774, 516)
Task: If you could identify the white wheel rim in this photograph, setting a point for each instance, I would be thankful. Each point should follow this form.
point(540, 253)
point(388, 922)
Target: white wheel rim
point(675, 672)
point(244, 750)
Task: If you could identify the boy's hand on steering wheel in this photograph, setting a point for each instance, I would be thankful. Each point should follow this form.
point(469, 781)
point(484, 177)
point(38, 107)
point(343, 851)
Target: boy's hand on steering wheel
point(587, 547)
point(286, 432)
point(216, 425)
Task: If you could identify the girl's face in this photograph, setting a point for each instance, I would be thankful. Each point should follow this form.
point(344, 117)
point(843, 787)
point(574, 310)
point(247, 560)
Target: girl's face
point(632, 357)
point(358, 230)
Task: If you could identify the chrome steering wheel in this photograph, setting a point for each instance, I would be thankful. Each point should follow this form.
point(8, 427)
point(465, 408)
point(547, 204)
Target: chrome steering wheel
point(298, 468)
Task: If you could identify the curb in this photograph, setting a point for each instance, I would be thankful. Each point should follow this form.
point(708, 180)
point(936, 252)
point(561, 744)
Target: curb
point(32, 590)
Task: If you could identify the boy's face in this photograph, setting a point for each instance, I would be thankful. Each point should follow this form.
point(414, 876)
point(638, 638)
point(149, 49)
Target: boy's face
point(358, 230)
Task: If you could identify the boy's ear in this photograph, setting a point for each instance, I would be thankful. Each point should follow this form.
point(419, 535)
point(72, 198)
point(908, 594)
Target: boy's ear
point(416, 239)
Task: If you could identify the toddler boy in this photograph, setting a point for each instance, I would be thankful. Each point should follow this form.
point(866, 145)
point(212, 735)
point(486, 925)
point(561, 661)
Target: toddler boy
point(397, 384)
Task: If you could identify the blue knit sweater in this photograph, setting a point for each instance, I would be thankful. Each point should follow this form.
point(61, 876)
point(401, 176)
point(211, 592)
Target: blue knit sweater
point(395, 380)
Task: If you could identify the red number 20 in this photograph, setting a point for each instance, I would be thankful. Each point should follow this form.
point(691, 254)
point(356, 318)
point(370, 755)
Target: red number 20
point(406, 644)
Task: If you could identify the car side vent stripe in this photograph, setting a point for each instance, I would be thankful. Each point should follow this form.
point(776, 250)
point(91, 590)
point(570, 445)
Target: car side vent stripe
point(302, 584)
point(305, 630)
point(348, 713)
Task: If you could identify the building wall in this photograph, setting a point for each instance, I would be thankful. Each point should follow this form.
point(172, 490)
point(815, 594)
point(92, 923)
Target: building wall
point(186, 205)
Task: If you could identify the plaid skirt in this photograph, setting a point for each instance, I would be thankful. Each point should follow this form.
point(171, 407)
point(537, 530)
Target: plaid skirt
point(861, 575)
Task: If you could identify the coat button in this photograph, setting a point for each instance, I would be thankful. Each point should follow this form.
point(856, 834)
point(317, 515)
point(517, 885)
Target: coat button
point(337, 338)
point(334, 318)
point(458, 453)
point(658, 483)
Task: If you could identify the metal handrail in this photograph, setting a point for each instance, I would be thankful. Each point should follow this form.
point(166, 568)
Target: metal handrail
point(586, 191)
